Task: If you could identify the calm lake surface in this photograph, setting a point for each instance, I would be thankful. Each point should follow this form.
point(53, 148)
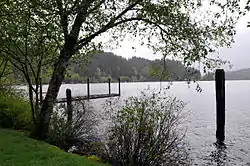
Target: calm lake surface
point(201, 119)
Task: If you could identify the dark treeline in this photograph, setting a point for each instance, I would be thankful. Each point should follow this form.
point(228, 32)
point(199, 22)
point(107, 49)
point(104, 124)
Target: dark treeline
point(108, 65)
point(242, 74)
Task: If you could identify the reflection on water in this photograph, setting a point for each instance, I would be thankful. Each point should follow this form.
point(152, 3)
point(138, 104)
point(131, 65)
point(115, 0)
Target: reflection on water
point(219, 155)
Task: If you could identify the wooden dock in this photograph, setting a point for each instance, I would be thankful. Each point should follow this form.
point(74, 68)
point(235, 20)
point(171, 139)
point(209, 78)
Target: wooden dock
point(69, 98)
point(79, 98)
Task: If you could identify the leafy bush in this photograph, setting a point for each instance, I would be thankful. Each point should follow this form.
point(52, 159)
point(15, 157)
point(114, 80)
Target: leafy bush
point(79, 133)
point(94, 158)
point(14, 109)
point(146, 130)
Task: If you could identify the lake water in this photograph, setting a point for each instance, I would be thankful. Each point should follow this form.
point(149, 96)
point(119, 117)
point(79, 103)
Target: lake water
point(201, 120)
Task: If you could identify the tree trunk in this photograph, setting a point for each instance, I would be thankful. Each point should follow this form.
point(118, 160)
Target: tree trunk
point(32, 103)
point(55, 83)
point(37, 106)
point(53, 89)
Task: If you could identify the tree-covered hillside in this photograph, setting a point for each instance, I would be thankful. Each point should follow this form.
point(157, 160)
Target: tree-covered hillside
point(242, 74)
point(107, 64)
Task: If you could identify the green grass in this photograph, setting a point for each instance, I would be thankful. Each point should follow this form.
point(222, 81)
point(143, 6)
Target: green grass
point(16, 149)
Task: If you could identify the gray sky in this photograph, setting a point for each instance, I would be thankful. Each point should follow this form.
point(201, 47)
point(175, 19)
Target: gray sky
point(238, 54)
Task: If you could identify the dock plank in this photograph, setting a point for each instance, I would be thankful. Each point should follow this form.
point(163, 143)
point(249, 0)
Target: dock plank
point(79, 98)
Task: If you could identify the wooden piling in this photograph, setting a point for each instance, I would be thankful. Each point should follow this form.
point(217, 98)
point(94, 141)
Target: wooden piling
point(69, 106)
point(119, 86)
point(109, 86)
point(220, 104)
point(88, 94)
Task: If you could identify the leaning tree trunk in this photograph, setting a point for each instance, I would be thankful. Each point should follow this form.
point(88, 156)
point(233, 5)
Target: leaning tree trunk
point(53, 89)
point(58, 74)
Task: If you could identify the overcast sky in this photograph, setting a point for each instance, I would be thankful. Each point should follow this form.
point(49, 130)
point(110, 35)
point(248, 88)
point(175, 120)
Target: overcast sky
point(238, 55)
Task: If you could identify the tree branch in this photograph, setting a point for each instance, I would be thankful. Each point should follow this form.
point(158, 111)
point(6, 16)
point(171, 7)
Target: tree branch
point(97, 6)
point(156, 24)
point(74, 6)
point(12, 55)
point(27, 61)
point(64, 18)
point(4, 68)
point(12, 42)
point(80, 17)
point(140, 19)
point(109, 25)
point(6, 57)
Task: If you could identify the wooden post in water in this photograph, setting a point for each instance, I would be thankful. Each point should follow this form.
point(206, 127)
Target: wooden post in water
point(220, 104)
point(109, 86)
point(119, 86)
point(69, 106)
point(88, 87)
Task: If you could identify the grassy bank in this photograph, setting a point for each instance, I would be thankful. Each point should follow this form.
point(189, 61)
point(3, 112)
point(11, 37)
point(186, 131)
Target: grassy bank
point(18, 149)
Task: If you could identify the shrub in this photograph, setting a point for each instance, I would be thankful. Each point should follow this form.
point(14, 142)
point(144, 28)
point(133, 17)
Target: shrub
point(79, 133)
point(146, 130)
point(14, 110)
point(94, 158)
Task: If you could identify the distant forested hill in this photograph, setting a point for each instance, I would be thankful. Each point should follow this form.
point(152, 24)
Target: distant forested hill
point(243, 74)
point(104, 65)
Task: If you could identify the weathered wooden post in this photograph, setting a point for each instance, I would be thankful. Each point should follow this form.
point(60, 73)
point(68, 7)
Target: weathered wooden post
point(88, 87)
point(119, 86)
point(69, 106)
point(220, 104)
point(109, 86)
